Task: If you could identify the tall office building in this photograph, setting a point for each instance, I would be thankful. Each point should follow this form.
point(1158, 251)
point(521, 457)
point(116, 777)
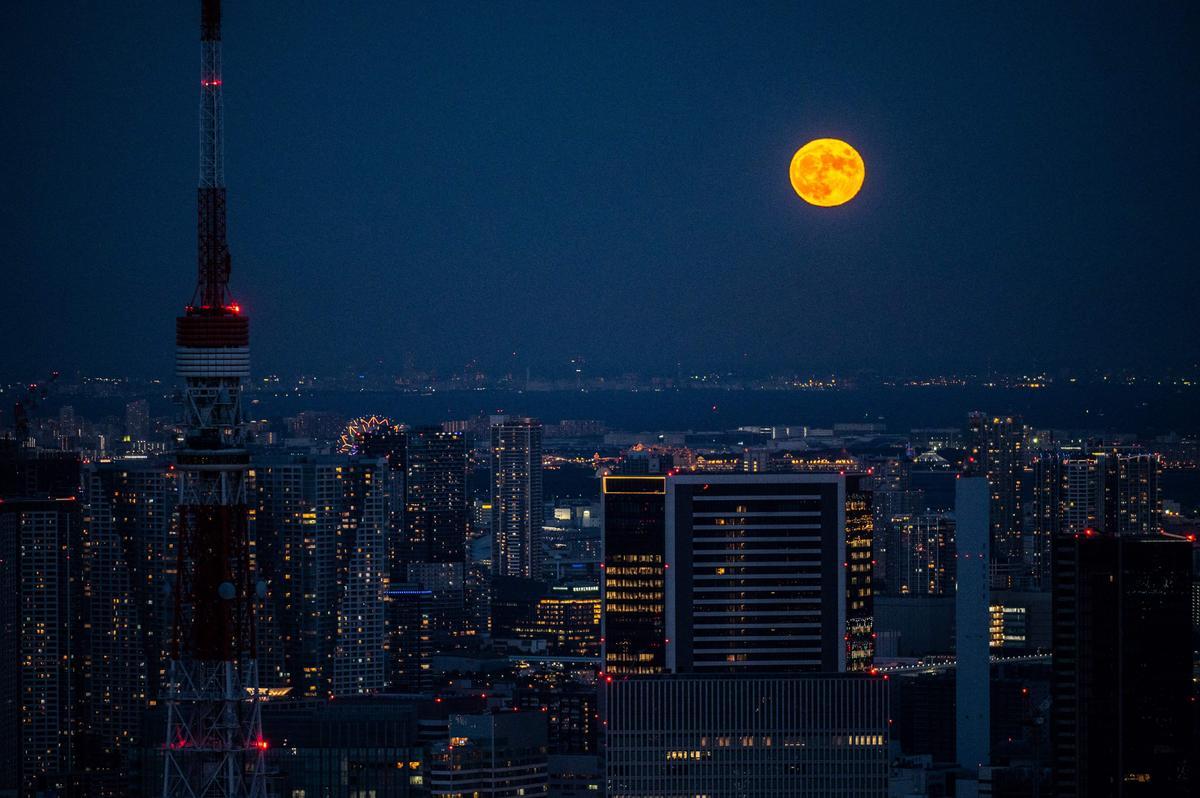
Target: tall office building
point(859, 523)
point(922, 556)
point(1080, 495)
point(893, 499)
point(517, 509)
point(427, 614)
point(800, 736)
point(359, 659)
point(137, 420)
point(321, 528)
point(995, 450)
point(633, 594)
point(1121, 685)
point(129, 555)
point(755, 573)
point(1112, 491)
point(43, 640)
point(1045, 511)
point(435, 495)
point(1133, 496)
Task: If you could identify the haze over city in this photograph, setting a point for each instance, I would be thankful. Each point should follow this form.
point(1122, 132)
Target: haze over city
point(463, 181)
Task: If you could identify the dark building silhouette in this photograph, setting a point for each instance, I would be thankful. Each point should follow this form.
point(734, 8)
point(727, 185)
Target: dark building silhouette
point(923, 709)
point(492, 755)
point(633, 598)
point(573, 725)
point(859, 522)
point(28, 473)
point(757, 735)
point(426, 616)
point(1114, 491)
point(363, 745)
point(435, 497)
point(514, 603)
point(43, 645)
point(1121, 688)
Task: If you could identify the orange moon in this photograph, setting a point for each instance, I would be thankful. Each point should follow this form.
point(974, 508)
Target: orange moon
point(827, 172)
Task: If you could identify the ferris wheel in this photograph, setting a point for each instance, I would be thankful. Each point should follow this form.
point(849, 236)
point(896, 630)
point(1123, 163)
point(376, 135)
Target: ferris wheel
point(361, 431)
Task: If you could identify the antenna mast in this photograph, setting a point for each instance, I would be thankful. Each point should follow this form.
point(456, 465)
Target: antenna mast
point(214, 744)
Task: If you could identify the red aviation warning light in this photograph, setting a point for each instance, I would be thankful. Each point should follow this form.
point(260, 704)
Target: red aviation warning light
point(214, 728)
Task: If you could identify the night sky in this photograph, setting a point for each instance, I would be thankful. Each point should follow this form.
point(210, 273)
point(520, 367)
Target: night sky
point(453, 181)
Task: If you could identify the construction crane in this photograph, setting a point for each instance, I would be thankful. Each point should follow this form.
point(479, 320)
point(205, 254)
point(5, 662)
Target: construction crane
point(34, 394)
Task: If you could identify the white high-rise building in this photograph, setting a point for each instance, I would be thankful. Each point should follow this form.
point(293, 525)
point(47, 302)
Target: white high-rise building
point(517, 508)
point(321, 528)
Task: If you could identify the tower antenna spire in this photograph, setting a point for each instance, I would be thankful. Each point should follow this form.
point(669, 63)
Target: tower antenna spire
point(212, 284)
point(214, 744)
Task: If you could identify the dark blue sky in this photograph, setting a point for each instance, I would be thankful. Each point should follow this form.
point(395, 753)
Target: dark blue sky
point(560, 179)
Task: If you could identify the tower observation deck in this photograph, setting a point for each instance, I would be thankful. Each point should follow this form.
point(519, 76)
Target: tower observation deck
point(214, 744)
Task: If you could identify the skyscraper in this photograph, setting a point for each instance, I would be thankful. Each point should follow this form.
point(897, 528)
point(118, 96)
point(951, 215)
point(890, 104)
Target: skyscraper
point(359, 657)
point(427, 615)
point(924, 563)
point(137, 420)
point(129, 558)
point(859, 523)
point(1112, 491)
point(995, 449)
point(517, 508)
point(321, 527)
point(1045, 511)
point(756, 573)
point(633, 600)
point(1121, 686)
point(1133, 497)
point(892, 500)
point(43, 645)
point(435, 495)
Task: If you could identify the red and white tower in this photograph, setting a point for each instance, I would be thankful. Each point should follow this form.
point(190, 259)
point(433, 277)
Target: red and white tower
point(214, 744)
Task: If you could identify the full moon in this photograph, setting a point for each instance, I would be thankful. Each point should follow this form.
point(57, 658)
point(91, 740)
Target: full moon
point(827, 172)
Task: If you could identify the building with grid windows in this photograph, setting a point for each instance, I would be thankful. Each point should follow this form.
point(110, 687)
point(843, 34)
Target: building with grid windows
point(516, 493)
point(800, 736)
point(321, 541)
point(633, 608)
point(42, 636)
point(756, 573)
point(128, 558)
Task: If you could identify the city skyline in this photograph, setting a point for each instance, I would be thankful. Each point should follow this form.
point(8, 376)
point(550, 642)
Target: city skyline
point(571, 455)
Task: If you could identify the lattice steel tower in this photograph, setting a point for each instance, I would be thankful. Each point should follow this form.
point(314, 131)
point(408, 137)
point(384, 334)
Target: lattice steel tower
point(214, 744)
